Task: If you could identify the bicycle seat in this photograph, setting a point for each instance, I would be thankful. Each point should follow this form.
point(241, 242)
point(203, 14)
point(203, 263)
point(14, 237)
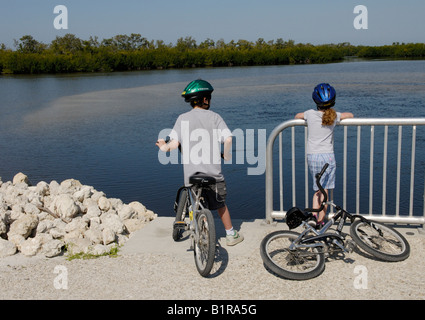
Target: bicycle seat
point(202, 180)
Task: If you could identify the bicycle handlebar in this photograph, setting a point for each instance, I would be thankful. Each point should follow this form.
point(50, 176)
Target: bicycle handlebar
point(323, 171)
point(325, 199)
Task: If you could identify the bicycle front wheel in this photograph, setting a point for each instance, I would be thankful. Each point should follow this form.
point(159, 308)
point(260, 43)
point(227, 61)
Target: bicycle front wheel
point(205, 241)
point(299, 264)
point(381, 241)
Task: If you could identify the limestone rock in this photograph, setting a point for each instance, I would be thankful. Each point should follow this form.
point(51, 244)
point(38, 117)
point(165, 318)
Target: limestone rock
point(108, 236)
point(20, 177)
point(31, 246)
point(45, 218)
point(104, 204)
point(7, 248)
point(52, 248)
point(79, 245)
point(126, 212)
point(100, 249)
point(94, 235)
point(65, 207)
point(113, 222)
point(24, 225)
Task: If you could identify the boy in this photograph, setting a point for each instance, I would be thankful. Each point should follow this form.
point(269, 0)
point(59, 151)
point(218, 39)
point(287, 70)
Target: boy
point(202, 131)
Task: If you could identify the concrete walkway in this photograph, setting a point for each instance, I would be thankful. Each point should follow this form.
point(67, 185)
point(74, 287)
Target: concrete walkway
point(156, 238)
point(152, 266)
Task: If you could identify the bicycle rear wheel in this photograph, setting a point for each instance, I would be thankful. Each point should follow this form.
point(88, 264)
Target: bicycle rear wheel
point(299, 264)
point(381, 241)
point(205, 241)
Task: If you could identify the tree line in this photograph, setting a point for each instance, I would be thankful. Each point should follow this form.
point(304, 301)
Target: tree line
point(68, 54)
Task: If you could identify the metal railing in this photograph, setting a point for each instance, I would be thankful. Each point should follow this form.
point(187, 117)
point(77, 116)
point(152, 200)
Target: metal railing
point(359, 156)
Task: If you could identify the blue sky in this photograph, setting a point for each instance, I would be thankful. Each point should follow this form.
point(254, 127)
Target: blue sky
point(305, 21)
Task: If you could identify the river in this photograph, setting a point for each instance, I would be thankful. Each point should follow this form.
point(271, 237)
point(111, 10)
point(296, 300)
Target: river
point(101, 128)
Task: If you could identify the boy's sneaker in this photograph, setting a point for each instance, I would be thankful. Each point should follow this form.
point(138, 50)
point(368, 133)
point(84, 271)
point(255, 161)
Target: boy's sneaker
point(234, 239)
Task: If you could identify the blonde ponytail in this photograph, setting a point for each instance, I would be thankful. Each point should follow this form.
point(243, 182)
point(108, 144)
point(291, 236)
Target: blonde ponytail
point(329, 117)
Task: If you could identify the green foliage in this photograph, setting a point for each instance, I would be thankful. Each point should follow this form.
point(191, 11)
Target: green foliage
point(113, 253)
point(121, 53)
point(396, 50)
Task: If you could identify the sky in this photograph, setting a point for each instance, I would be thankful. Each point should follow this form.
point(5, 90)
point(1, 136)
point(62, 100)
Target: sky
point(304, 21)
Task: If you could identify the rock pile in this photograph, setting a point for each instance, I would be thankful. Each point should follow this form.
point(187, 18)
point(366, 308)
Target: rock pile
point(46, 218)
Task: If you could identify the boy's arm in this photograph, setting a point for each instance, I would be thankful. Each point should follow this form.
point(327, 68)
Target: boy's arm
point(164, 146)
point(227, 154)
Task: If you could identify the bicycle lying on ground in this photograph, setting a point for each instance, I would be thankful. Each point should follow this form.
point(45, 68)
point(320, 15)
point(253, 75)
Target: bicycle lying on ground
point(301, 256)
point(192, 215)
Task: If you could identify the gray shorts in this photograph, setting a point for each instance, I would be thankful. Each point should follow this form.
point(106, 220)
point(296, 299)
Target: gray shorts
point(215, 195)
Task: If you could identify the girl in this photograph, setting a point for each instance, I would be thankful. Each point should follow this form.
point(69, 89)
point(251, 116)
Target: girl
point(320, 142)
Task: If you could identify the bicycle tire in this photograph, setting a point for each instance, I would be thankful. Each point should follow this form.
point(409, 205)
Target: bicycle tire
point(392, 246)
point(293, 265)
point(180, 214)
point(204, 246)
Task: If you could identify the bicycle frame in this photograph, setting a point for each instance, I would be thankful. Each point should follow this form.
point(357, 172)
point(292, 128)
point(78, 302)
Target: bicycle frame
point(322, 236)
point(194, 206)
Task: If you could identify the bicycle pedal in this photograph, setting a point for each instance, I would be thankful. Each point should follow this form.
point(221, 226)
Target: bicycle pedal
point(351, 245)
point(180, 225)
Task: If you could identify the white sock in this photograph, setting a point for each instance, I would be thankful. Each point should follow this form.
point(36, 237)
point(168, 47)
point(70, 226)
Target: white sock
point(230, 232)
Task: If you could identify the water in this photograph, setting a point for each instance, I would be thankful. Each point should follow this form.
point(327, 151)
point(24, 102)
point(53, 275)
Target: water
point(101, 128)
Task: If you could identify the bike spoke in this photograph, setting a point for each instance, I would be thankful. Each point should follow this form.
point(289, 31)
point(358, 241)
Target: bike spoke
point(203, 242)
point(300, 260)
point(385, 243)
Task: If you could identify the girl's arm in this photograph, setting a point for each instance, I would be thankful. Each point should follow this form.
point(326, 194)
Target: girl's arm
point(346, 115)
point(299, 115)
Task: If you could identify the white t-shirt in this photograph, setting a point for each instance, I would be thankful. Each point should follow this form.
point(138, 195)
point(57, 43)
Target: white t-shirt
point(320, 138)
point(201, 133)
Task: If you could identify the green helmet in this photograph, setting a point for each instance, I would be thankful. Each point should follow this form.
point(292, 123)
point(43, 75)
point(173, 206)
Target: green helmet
point(197, 89)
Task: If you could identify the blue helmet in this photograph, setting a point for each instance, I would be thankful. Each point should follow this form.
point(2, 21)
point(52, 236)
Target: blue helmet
point(324, 95)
